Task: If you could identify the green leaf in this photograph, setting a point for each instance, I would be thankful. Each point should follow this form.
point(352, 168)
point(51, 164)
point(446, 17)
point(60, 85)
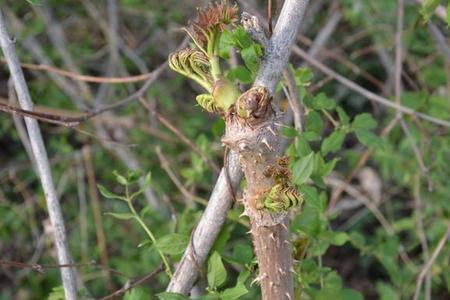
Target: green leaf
point(311, 136)
point(329, 166)
point(242, 254)
point(250, 56)
point(121, 216)
point(171, 296)
point(321, 101)
point(303, 76)
point(119, 178)
point(368, 138)
point(335, 238)
point(234, 293)
point(290, 132)
point(428, 8)
point(314, 122)
point(133, 175)
point(109, 195)
point(216, 271)
point(333, 142)
point(147, 181)
point(240, 73)
point(303, 168)
point(311, 197)
point(343, 117)
point(172, 244)
point(364, 121)
point(241, 38)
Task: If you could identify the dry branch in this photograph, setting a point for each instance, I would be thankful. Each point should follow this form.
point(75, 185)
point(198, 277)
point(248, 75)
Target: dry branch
point(42, 163)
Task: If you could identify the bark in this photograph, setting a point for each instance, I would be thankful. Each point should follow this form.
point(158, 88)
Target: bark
point(252, 132)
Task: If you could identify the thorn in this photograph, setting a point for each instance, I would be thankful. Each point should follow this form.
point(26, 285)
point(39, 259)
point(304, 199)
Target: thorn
point(288, 296)
point(281, 271)
point(287, 242)
point(284, 226)
point(249, 232)
point(259, 278)
point(293, 271)
point(271, 284)
point(260, 155)
point(244, 214)
point(271, 130)
point(264, 141)
point(272, 236)
point(242, 146)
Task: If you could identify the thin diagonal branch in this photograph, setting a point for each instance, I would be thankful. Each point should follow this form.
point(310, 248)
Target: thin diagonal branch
point(42, 163)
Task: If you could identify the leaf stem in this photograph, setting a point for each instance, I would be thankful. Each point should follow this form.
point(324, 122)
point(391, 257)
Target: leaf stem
point(146, 229)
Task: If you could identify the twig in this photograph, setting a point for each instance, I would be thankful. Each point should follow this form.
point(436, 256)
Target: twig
point(179, 134)
point(375, 211)
point(40, 155)
point(293, 97)
point(398, 90)
point(366, 93)
point(430, 262)
point(361, 162)
point(96, 209)
point(132, 284)
point(269, 16)
point(57, 37)
point(419, 208)
point(165, 165)
point(85, 78)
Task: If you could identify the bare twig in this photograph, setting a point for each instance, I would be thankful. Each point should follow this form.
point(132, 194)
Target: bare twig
point(366, 93)
point(165, 165)
point(180, 135)
point(419, 209)
point(430, 262)
point(134, 283)
point(96, 210)
point(40, 155)
point(86, 78)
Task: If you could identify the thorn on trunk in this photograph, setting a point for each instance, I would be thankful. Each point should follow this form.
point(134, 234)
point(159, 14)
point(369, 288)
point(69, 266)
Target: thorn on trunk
point(244, 214)
point(272, 237)
point(280, 270)
point(284, 226)
point(288, 296)
point(293, 271)
point(259, 278)
point(271, 130)
point(264, 141)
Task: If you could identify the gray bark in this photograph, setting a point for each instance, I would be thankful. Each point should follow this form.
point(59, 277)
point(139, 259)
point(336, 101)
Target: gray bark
point(42, 163)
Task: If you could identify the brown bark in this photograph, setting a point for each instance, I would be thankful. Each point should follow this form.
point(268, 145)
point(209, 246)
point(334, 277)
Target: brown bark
point(253, 134)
